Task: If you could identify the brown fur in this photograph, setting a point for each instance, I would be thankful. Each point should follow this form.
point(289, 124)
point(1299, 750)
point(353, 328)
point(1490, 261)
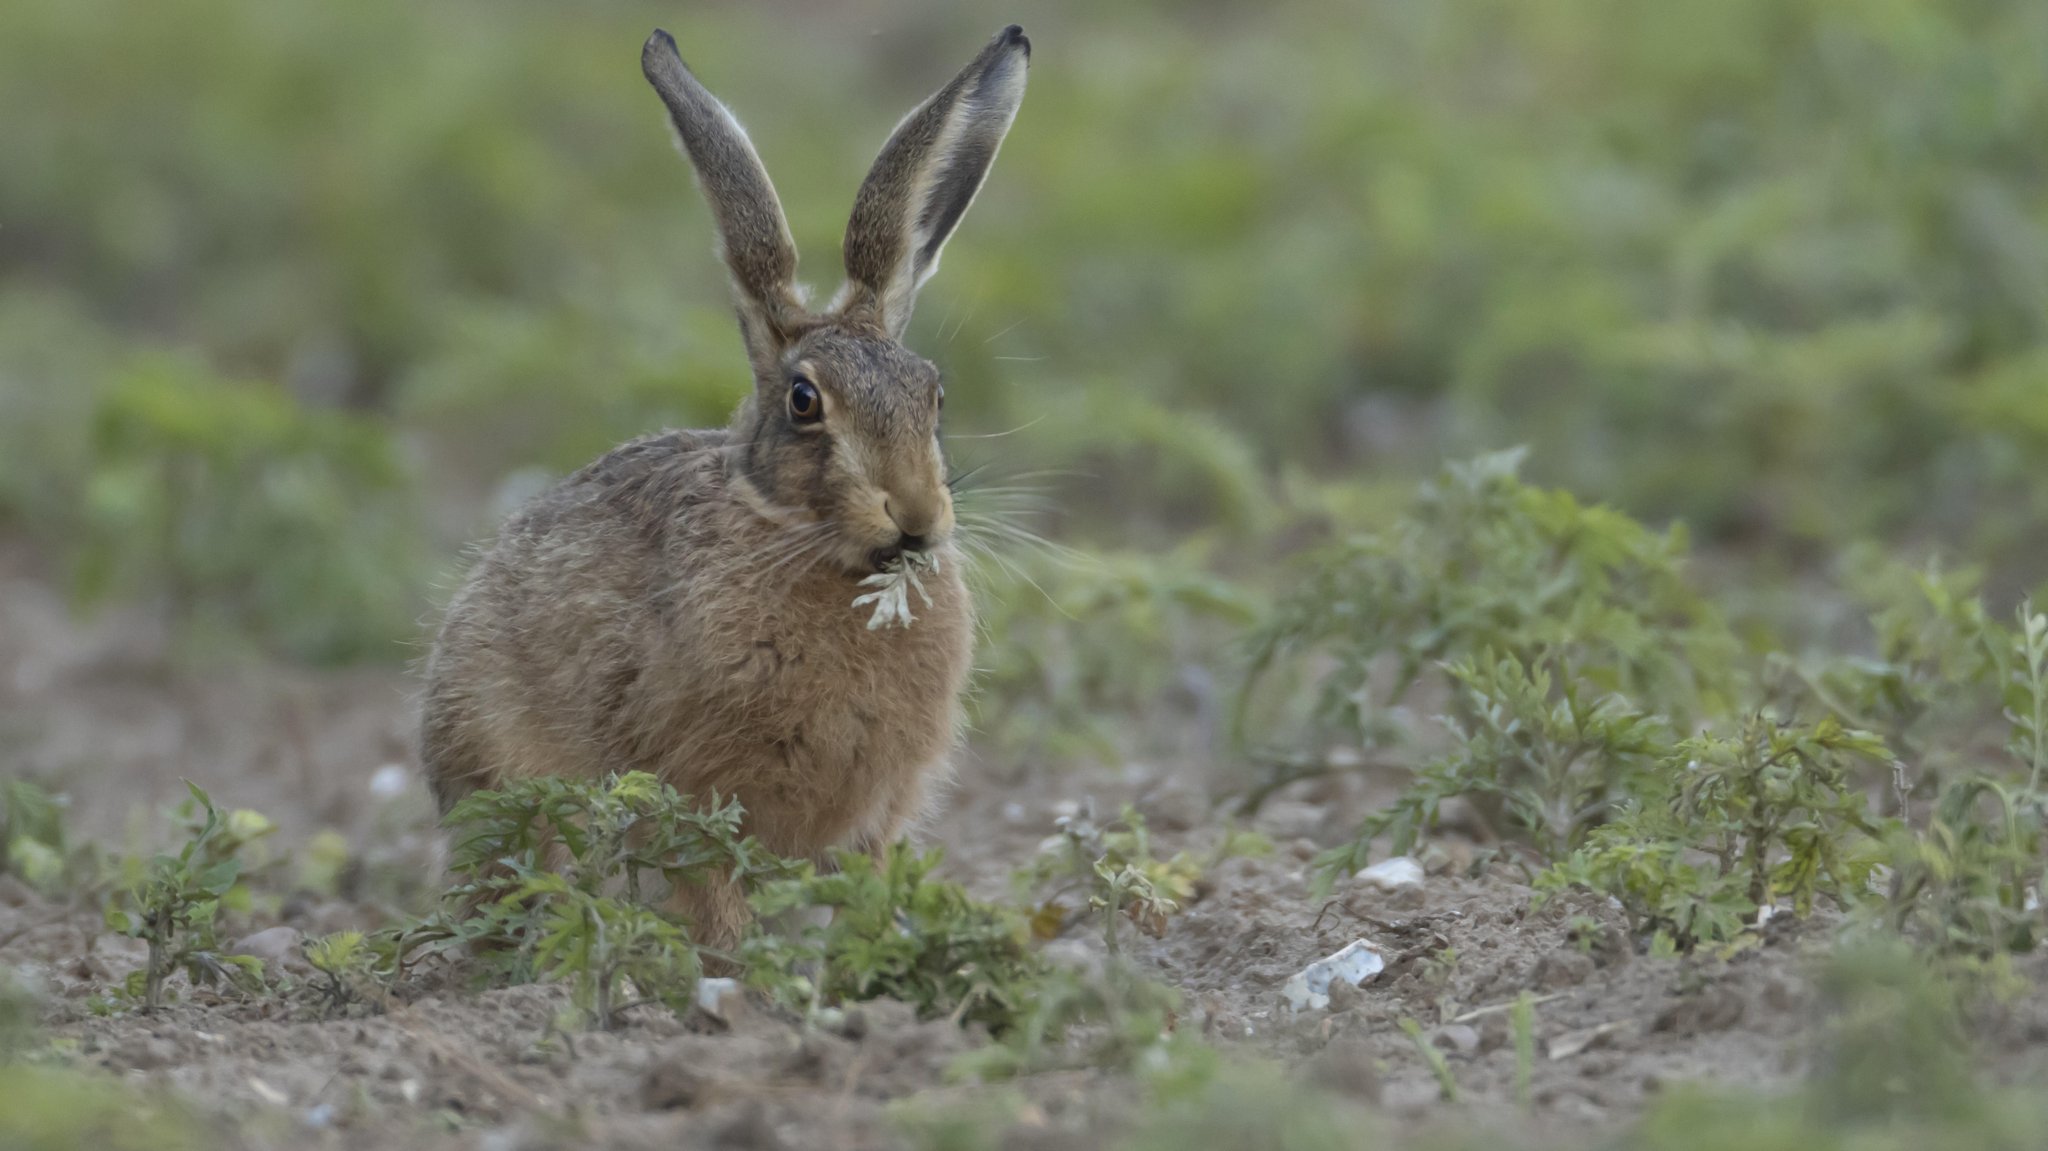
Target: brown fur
point(684, 605)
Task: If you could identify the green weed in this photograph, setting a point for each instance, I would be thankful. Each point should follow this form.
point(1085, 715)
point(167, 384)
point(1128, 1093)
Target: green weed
point(896, 933)
point(175, 904)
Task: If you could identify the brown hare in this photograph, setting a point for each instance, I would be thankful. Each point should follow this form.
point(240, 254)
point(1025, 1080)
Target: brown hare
point(684, 605)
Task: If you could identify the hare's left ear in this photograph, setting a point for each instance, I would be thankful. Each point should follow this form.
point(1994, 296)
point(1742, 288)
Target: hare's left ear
point(921, 184)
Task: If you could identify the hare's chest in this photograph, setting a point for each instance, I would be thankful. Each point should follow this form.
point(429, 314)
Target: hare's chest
point(819, 714)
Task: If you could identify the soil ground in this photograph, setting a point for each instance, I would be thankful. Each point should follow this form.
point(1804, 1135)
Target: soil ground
point(83, 707)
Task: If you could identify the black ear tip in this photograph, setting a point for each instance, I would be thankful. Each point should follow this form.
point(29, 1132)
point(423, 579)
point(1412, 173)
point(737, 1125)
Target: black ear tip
point(658, 42)
point(1014, 35)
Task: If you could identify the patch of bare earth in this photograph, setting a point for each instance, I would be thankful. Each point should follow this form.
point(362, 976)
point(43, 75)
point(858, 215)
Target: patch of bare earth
point(82, 708)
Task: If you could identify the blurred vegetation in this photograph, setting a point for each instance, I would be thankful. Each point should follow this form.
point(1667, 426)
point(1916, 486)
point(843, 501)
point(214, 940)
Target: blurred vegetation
point(287, 294)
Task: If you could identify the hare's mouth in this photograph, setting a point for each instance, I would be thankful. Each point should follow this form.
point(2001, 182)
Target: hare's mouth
point(881, 558)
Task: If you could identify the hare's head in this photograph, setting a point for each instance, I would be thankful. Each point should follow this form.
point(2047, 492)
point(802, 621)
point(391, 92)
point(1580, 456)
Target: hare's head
point(842, 429)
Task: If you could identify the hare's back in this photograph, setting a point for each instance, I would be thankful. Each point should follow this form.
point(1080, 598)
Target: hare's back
point(557, 617)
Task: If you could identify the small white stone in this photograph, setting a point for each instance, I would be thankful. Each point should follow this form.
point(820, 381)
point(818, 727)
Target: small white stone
point(272, 944)
point(267, 1093)
point(1401, 873)
point(390, 781)
point(1309, 988)
point(721, 998)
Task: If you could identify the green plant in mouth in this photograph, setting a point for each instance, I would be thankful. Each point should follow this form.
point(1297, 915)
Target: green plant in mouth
point(896, 933)
point(174, 904)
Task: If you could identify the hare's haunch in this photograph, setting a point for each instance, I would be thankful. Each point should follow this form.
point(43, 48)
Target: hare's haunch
point(684, 605)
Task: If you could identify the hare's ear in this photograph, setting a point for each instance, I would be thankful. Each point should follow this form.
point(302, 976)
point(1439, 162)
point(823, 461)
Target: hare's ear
point(753, 237)
point(924, 179)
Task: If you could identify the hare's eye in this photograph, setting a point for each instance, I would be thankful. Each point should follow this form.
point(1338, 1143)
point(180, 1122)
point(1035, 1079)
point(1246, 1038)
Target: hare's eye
point(942, 397)
point(805, 405)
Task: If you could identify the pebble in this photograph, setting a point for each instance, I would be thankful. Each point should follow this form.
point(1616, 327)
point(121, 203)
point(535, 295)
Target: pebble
point(272, 944)
point(1309, 988)
point(1401, 873)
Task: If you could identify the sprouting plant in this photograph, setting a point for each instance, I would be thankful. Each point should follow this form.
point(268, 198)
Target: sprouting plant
point(345, 962)
point(897, 933)
point(1969, 881)
point(1554, 753)
point(33, 841)
point(1727, 825)
point(2026, 696)
point(1483, 569)
point(174, 905)
point(558, 878)
point(1446, 1083)
point(1522, 1025)
point(1110, 867)
point(603, 946)
point(1111, 1017)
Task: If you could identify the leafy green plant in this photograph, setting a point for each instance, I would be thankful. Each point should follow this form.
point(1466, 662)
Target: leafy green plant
point(346, 964)
point(559, 879)
point(34, 843)
point(175, 904)
point(1484, 572)
point(1446, 1082)
point(1550, 753)
point(896, 933)
point(1112, 1017)
point(249, 514)
point(1727, 825)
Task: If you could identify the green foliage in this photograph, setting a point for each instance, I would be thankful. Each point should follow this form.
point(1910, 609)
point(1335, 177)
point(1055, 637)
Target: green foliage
point(33, 841)
point(1107, 867)
point(1483, 568)
point(49, 1109)
point(1554, 757)
point(1968, 881)
point(175, 904)
point(1724, 826)
point(560, 879)
point(1113, 1018)
point(1072, 644)
point(347, 965)
point(896, 933)
point(249, 513)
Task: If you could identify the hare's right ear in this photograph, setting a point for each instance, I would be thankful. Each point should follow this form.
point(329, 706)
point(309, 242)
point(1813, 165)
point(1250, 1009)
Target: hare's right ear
point(926, 176)
point(753, 237)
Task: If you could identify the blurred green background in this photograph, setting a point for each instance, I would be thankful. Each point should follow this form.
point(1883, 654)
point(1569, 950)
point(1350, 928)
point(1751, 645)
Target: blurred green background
point(293, 297)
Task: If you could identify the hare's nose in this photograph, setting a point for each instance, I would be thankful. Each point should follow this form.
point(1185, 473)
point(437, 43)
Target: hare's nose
point(914, 524)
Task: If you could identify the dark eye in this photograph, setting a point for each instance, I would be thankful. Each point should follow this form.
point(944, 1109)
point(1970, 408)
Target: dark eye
point(805, 405)
point(942, 397)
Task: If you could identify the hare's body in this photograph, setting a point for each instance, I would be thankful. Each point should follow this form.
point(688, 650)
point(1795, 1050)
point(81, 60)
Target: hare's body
point(635, 619)
point(684, 605)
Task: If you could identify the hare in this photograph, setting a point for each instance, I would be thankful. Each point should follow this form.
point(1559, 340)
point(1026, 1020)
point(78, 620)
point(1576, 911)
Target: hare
point(683, 605)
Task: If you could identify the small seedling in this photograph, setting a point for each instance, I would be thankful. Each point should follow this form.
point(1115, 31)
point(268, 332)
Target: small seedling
point(559, 879)
point(1446, 1083)
point(175, 905)
point(1110, 867)
point(1522, 1024)
point(346, 964)
point(896, 933)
